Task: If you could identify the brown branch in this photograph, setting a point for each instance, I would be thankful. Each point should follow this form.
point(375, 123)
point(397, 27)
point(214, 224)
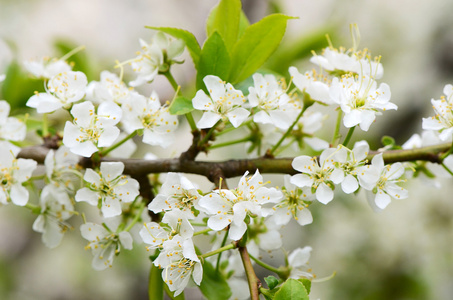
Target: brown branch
point(254, 282)
point(234, 168)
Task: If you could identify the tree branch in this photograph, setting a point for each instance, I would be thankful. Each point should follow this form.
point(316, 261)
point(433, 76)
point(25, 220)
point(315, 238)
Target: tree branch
point(236, 167)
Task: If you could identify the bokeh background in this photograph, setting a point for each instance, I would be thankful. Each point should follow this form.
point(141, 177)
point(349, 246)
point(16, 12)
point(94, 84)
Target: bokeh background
point(405, 252)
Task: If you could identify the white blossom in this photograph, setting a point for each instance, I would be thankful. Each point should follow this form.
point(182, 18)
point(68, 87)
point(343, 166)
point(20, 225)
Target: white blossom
point(294, 204)
point(156, 121)
point(61, 167)
point(223, 103)
point(313, 84)
point(275, 106)
point(381, 180)
point(56, 208)
point(62, 90)
point(47, 67)
point(230, 207)
point(442, 121)
point(153, 57)
point(298, 261)
point(13, 173)
point(360, 99)
point(109, 88)
point(11, 129)
point(90, 130)
point(179, 262)
point(107, 188)
point(320, 177)
point(105, 243)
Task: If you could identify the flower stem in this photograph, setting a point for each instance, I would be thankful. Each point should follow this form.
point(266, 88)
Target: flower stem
point(171, 79)
point(45, 125)
point(447, 169)
point(220, 254)
point(254, 282)
point(238, 141)
point(72, 52)
point(155, 284)
point(336, 134)
point(288, 131)
point(348, 136)
point(447, 153)
point(220, 250)
point(202, 231)
point(264, 265)
point(208, 135)
point(113, 147)
point(137, 216)
point(191, 121)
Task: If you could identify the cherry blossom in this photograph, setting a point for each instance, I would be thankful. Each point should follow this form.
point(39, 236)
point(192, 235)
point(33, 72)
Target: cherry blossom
point(62, 89)
point(107, 188)
point(224, 103)
point(105, 242)
point(11, 129)
point(275, 105)
point(13, 173)
point(56, 208)
point(147, 113)
point(89, 130)
point(109, 88)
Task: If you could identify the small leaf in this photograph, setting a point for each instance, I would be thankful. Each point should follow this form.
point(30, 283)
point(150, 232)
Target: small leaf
point(214, 285)
point(292, 289)
point(156, 284)
point(255, 46)
point(387, 140)
point(214, 60)
point(243, 24)
point(188, 37)
point(225, 19)
point(181, 106)
point(306, 283)
point(271, 282)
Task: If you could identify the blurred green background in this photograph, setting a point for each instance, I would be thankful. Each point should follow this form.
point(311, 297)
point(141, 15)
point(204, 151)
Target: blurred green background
point(405, 252)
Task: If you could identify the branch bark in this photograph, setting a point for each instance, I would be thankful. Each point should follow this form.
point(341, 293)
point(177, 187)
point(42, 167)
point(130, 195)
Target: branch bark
point(236, 167)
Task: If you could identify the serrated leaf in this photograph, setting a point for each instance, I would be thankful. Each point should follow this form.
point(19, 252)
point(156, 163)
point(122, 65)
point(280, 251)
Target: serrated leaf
point(181, 106)
point(214, 286)
point(292, 289)
point(214, 60)
point(255, 46)
point(187, 36)
point(225, 19)
point(271, 282)
point(306, 283)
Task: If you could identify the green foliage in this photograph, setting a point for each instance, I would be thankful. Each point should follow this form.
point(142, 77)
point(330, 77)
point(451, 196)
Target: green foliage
point(156, 284)
point(255, 46)
point(188, 37)
point(214, 60)
point(271, 282)
point(80, 59)
point(306, 283)
point(18, 86)
point(180, 106)
point(292, 289)
point(214, 286)
point(225, 20)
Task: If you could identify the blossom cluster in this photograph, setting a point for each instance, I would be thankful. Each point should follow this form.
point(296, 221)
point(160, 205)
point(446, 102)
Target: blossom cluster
point(105, 117)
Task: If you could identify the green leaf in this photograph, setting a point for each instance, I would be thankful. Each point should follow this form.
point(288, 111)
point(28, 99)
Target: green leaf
point(225, 19)
point(214, 286)
point(388, 140)
point(188, 37)
point(181, 106)
point(255, 46)
point(214, 60)
point(271, 282)
point(156, 284)
point(306, 283)
point(292, 289)
point(243, 24)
